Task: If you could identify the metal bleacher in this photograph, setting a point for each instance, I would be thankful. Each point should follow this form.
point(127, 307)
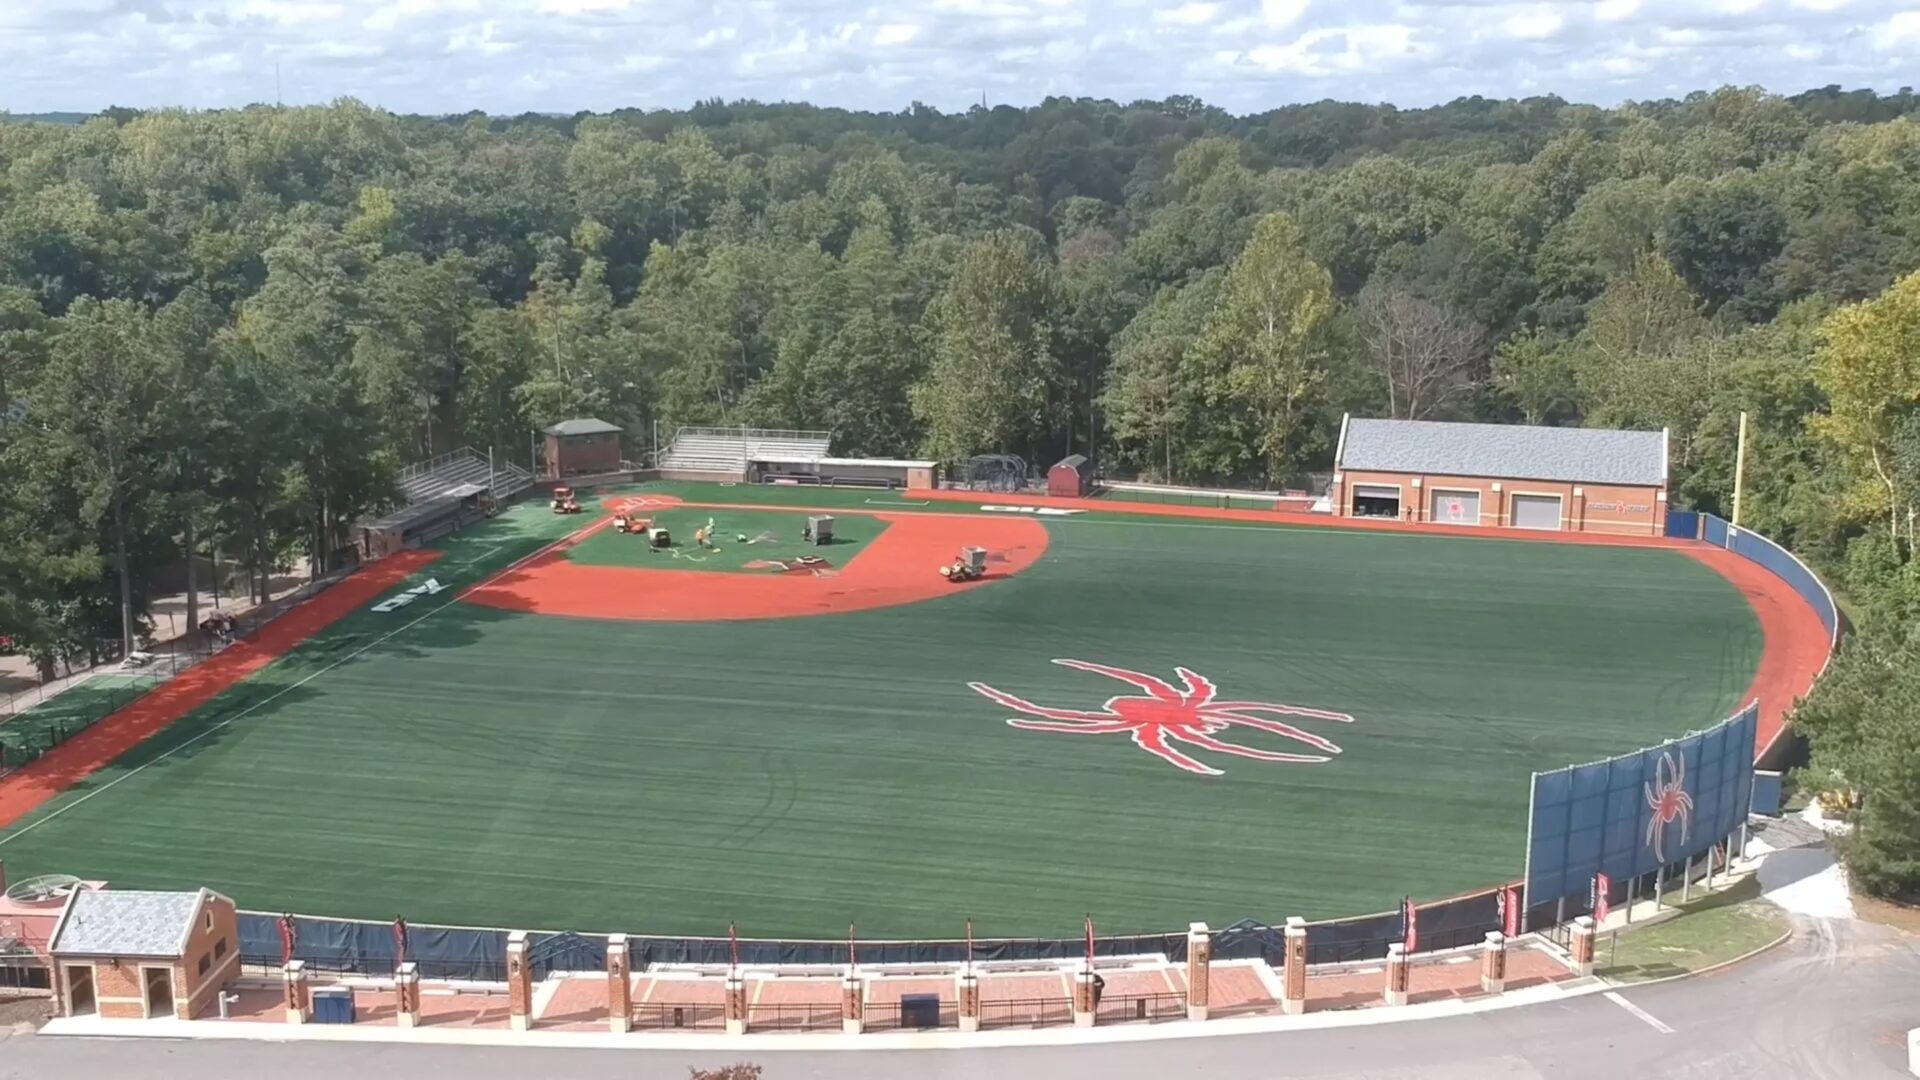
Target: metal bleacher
point(460, 468)
point(712, 450)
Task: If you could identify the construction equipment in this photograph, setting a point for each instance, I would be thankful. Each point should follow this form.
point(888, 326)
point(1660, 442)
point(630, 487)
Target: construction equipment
point(971, 566)
point(819, 530)
point(564, 501)
point(657, 536)
point(624, 522)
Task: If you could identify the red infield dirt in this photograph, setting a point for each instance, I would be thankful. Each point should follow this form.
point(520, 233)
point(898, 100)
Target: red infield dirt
point(899, 567)
point(118, 732)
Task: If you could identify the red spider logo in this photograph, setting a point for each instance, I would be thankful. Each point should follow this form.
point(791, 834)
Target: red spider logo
point(1668, 799)
point(1165, 714)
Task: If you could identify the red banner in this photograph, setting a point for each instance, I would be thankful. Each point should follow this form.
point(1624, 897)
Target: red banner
point(286, 940)
point(400, 940)
point(1510, 911)
point(1602, 885)
point(1410, 925)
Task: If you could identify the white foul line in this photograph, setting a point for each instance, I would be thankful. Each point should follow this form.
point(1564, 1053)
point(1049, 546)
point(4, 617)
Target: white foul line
point(1638, 1013)
point(242, 714)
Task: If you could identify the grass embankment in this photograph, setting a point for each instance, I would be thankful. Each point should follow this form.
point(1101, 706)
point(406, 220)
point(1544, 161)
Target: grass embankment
point(1710, 930)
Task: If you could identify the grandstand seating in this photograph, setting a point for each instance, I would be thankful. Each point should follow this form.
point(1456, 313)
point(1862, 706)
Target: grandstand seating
point(727, 450)
point(430, 479)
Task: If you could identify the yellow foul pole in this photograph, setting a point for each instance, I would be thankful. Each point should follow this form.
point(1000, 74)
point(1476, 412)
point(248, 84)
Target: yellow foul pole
point(1740, 468)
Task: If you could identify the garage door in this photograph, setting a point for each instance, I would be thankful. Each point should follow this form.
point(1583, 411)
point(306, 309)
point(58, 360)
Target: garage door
point(1536, 511)
point(1376, 500)
point(1456, 507)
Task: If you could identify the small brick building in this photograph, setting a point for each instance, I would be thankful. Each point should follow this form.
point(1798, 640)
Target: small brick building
point(582, 447)
point(129, 954)
point(1502, 476)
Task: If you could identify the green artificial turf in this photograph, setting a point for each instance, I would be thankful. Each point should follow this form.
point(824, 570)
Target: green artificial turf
point(62, 716)
point(770, 535)
point(471, 765)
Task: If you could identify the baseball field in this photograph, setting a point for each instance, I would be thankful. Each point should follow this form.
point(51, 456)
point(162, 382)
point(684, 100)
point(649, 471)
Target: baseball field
point(1152, 719)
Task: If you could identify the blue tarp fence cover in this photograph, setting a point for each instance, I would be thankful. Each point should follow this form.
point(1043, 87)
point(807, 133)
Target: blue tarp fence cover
point(349, 946)
point(1631, 815)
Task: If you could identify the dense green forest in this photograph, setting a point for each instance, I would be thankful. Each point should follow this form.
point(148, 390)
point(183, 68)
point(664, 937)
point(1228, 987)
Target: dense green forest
point(224, 331)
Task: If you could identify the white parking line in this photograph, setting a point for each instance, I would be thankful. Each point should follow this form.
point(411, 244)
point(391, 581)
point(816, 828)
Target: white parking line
point(1638, 1013)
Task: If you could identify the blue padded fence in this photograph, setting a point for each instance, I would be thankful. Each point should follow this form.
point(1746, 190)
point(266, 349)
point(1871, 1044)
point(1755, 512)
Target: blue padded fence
point(1604, 817)
point(1683, 524)
point(1781, 564)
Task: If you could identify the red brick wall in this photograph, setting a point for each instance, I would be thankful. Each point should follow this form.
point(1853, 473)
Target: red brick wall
point(583, 455)
point(193, 991)
point(1599, 508)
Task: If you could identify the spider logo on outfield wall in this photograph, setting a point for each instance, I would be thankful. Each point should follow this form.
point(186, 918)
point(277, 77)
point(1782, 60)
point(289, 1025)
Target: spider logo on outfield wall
point(1668, 799)
point(1166, 714)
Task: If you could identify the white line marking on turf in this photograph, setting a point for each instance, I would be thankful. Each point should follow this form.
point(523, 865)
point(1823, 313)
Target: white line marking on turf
point(244, 713)
point(1638, 1013)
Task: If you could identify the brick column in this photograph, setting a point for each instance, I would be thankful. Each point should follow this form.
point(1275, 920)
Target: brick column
point(1293, 1001)
point(1083, 1007)
point(406, 995)
point(519, 982)
point(1493, 963)
point(1199, 964)
point(853, 1001)
point(1398, 974)
point(299, 996)
point(969, 1000)
point(619, 986)
point(736, 1004)
point(1581, 948)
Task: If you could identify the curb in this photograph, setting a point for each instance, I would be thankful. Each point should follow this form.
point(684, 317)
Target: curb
point(1708, 970)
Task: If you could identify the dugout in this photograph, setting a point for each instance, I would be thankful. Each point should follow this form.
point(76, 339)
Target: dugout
point(1071, 477)
point(1502, 476)
point(842, 472)
point(582, 447)
point(423, 521)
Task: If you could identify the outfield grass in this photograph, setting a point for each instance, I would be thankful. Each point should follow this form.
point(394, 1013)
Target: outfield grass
point(769, 535)
point(472, 765)
point(1711, 930)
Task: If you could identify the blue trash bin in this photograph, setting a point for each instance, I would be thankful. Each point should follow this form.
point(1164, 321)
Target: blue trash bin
point(332, 1005)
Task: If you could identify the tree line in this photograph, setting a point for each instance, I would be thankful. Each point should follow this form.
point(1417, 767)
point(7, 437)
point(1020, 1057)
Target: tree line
point(221, 333)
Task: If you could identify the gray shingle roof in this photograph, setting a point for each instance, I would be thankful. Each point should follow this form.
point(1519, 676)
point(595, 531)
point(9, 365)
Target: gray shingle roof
point(1574, 455)
point(583, 426)
point(126, 922)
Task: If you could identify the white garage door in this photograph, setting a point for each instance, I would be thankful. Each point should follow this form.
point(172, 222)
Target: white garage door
point(1456, 507)
point(1536, 512)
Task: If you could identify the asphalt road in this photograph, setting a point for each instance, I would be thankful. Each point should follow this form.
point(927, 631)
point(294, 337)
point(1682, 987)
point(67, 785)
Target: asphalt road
point(1835, 1002)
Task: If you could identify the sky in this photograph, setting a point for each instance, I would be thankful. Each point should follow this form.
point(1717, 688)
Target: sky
point(512, 56)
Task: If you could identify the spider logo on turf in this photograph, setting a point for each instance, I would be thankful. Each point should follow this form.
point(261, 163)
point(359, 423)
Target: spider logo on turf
point(1166, 714)
point(1668, 799)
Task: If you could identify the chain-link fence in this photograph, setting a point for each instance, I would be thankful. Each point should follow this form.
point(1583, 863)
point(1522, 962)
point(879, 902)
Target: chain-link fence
point(35, 720)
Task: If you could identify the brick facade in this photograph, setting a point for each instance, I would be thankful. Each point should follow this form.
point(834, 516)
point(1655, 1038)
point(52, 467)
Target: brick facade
point(1596, 508)
point(583, 455)
point(209, 960)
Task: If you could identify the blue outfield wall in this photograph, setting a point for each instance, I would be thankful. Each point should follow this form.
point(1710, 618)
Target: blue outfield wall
point(1630, 815)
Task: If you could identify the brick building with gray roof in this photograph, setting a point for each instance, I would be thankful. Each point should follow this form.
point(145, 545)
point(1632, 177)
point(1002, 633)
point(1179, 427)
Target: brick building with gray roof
point(1502, 476)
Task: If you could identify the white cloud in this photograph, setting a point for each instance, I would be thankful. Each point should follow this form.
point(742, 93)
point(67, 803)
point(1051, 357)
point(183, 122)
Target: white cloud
point(1279, 13)
point(1193, 13)
point(1902, 29)
point(1533, 23)
point(511, 56)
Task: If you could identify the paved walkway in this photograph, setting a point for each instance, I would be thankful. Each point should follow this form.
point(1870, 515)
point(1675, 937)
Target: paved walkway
point(1833, 1003)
